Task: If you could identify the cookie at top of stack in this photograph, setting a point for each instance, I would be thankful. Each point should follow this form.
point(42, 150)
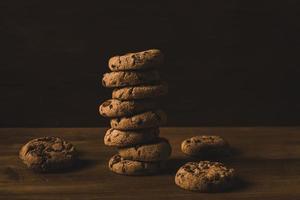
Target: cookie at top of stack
point(135, 115)
point(148, 59)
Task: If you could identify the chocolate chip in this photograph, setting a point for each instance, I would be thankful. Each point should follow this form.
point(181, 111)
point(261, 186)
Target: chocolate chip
point(187, 168)
point(106, 103)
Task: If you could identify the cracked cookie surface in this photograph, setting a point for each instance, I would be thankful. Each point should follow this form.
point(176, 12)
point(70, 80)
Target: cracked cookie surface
point(122, 166)
point(205, 176)
point(118, 108)
point(155, 151)
point(205, 146)
point(48, 154)
point(129, 78)
point(140, 92)
point(151, 58)
point(118, 138)
point(140, 121)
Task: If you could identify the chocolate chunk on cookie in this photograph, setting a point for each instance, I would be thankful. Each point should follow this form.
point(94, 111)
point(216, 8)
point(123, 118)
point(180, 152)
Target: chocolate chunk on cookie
point(205, 146)
point(118, 138)
point(123, 166)
point(205, 176)
point(48, 154)
point(140, 121)
point(129, 78)
point(151, 58)
point(140, 92)
point(118, 108)
point(156, 151)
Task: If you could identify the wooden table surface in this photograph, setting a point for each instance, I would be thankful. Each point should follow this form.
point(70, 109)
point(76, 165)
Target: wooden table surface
point(267, 160)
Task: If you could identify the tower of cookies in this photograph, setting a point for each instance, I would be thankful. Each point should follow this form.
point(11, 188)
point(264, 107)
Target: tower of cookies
point(135, 116)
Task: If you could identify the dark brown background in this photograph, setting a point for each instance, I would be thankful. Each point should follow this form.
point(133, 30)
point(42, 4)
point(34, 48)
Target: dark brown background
point(227, 62)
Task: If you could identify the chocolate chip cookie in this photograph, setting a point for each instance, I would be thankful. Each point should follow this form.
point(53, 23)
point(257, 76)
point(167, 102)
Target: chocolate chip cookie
point(156, 151)
point(140, 92)
point(136, 61)
point(205, 176)
point(118, 138)
point(122, 166)
point(129, 78)
point(140, 121)
point(48, 154)
point(205, 146)
point(118, 108)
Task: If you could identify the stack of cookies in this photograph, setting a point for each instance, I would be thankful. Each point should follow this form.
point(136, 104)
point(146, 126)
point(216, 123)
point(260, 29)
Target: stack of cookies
point(135, 114)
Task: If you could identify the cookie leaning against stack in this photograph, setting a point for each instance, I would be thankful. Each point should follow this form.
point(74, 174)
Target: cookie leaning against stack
point(135, 116)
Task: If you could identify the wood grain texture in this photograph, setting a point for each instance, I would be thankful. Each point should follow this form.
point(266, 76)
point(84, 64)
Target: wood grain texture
point(267, 160)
